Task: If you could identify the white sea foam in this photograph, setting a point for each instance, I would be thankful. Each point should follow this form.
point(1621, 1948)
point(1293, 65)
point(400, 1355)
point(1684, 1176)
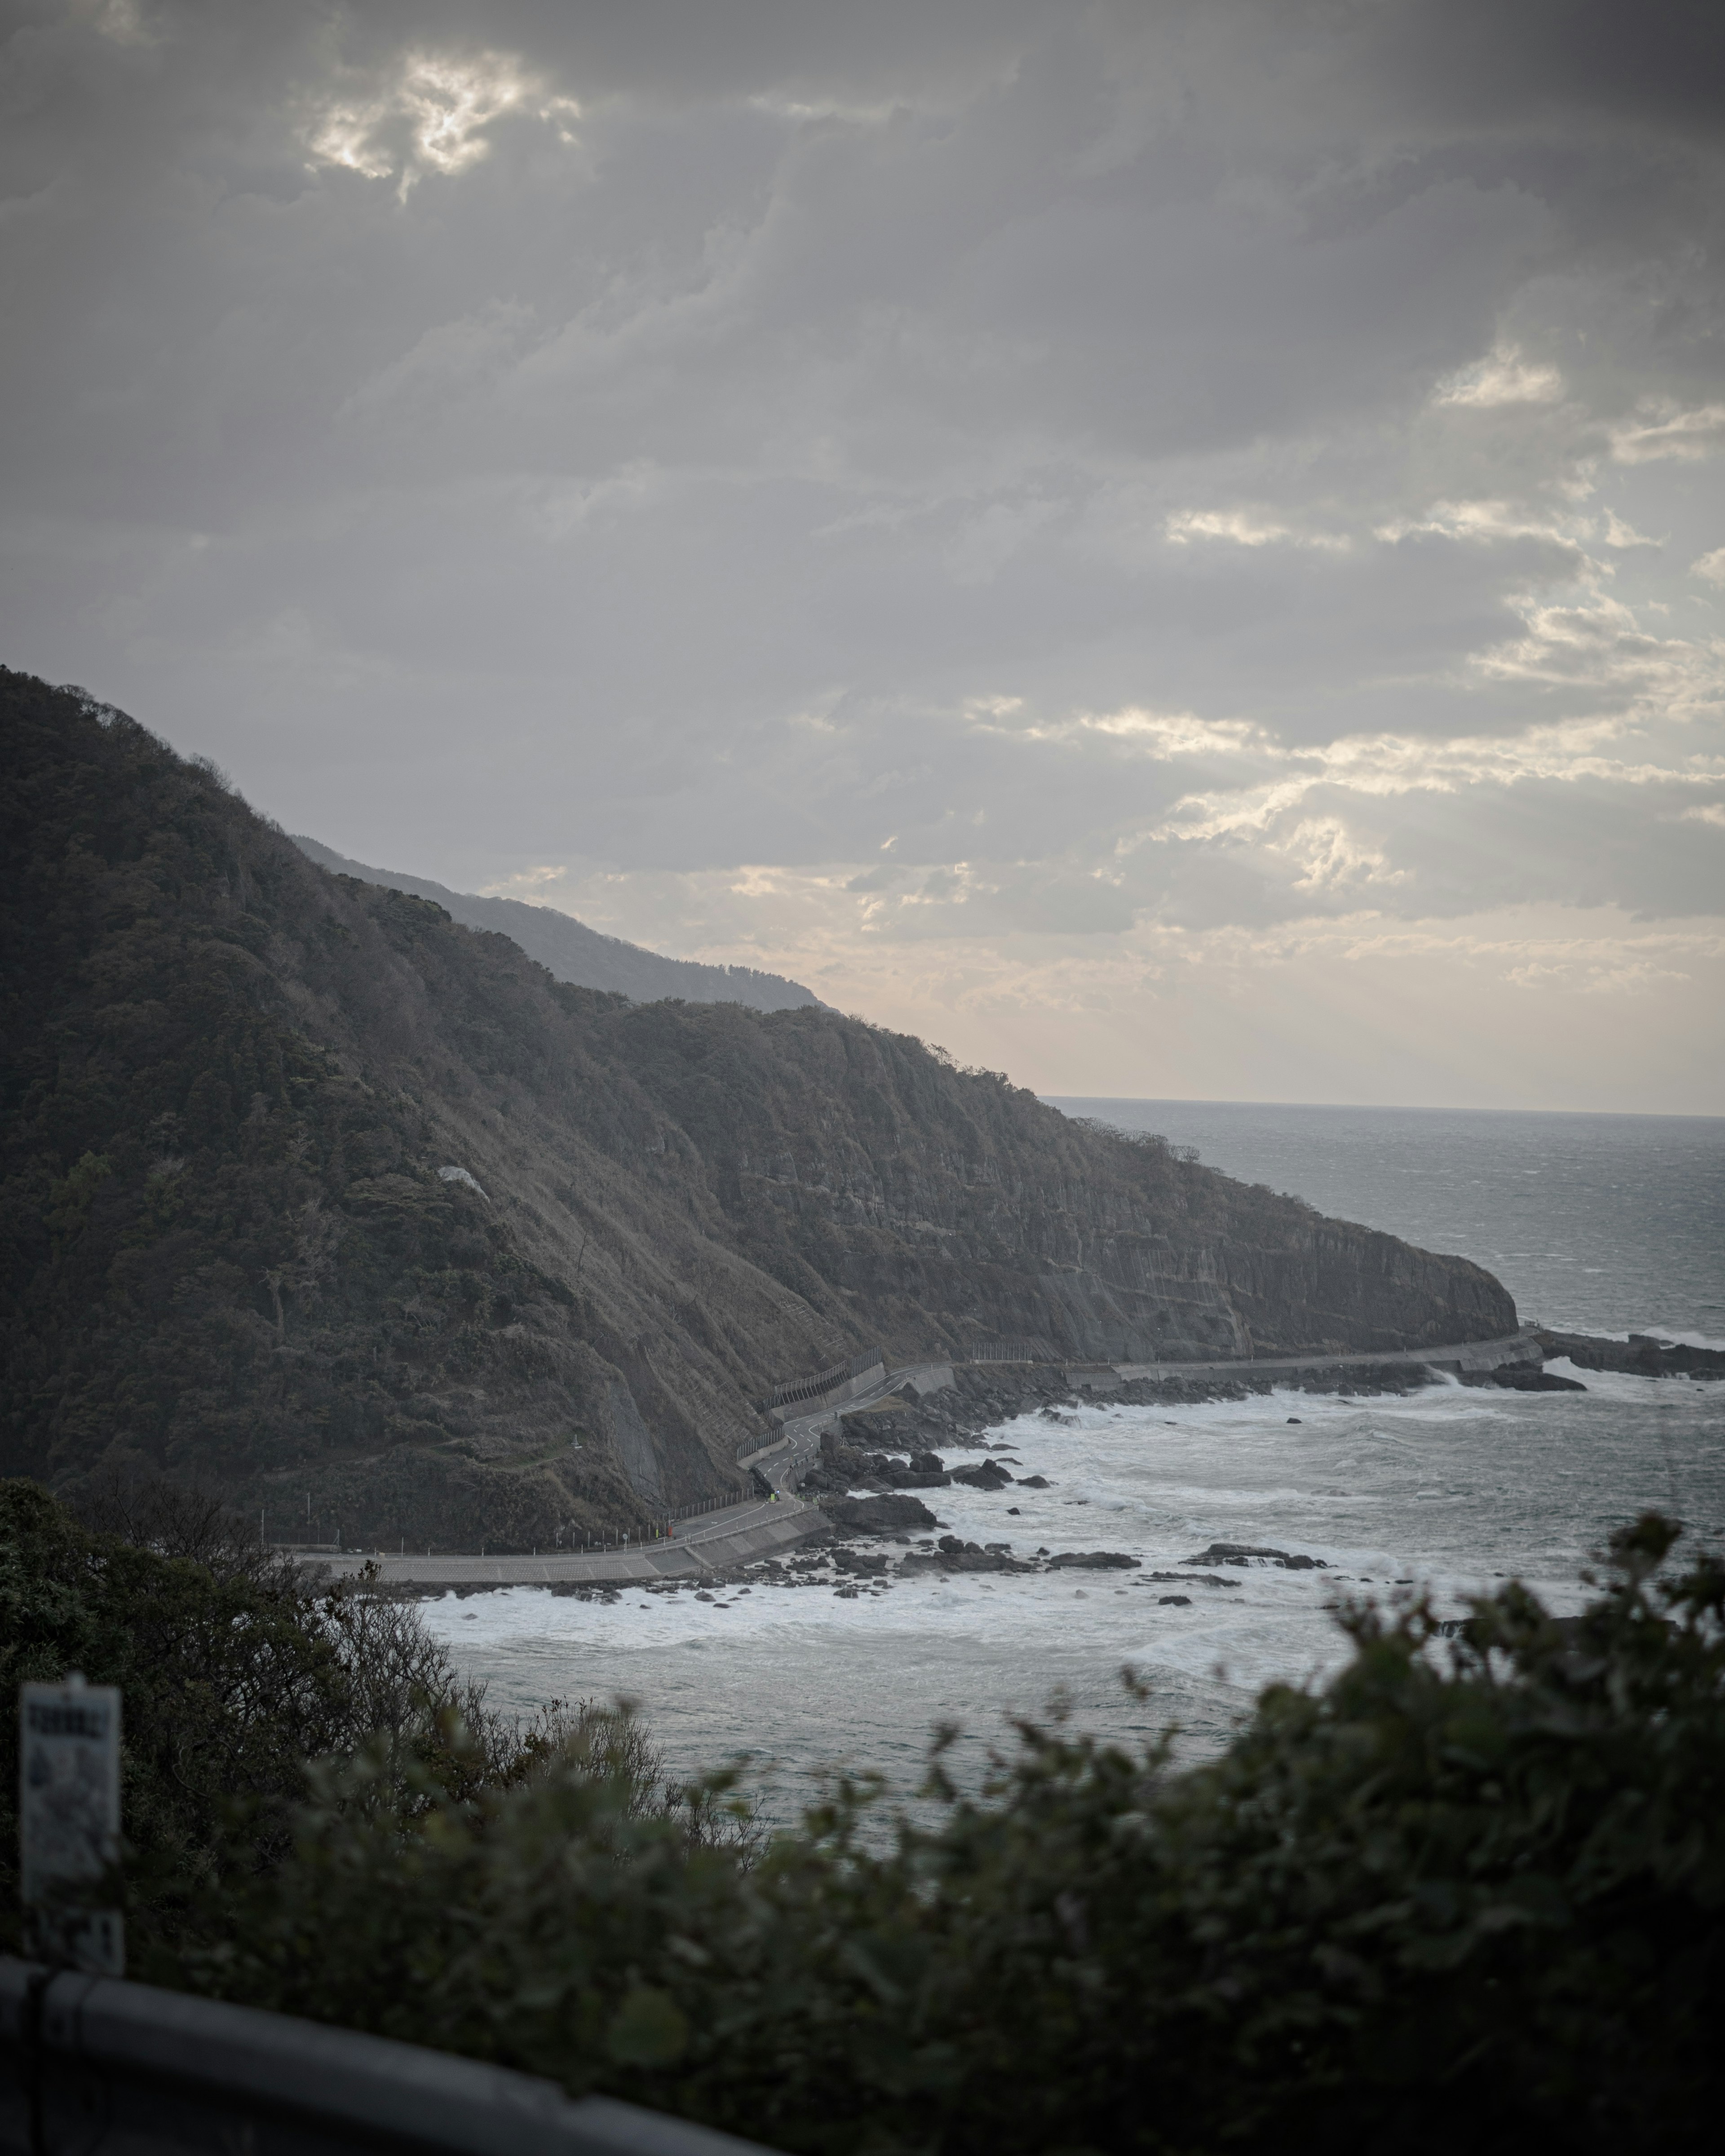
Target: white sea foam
point(1446, 1491)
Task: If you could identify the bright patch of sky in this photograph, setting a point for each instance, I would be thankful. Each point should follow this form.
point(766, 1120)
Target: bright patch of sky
point(1175, 551)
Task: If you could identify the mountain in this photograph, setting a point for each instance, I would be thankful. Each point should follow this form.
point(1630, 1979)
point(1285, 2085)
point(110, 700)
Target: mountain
point(313, 1195)
point(573, 951)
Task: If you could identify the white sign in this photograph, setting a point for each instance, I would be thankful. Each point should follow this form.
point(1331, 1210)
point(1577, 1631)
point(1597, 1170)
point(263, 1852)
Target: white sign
point(69, 1817)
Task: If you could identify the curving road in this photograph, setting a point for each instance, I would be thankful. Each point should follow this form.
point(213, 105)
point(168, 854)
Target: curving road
point(760, 1526)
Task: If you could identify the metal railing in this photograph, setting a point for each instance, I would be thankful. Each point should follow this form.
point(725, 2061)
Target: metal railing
point(706, 1505)
point(823, 1381)
point(1032, 1348)
point(90, 2064)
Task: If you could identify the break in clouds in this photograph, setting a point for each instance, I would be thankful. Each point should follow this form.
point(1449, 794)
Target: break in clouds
point(1174, 549)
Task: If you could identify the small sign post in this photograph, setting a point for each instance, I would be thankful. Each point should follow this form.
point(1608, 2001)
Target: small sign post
point(69, 1819)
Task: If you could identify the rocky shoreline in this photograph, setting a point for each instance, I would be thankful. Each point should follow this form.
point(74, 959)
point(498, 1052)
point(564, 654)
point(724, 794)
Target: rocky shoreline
point(876, 1460)
point(879, 1469)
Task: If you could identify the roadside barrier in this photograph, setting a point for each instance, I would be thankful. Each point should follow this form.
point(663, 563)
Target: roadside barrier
point(823, 1381)
point(90, 2065)
point(1032, 1349)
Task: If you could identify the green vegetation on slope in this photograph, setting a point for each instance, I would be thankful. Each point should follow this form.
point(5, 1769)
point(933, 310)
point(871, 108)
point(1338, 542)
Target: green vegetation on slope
point(310, 1194)
point(1471, 1892)
point(571, 951)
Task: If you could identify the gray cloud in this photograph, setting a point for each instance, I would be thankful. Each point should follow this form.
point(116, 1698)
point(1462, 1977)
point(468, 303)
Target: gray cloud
point(800, 480)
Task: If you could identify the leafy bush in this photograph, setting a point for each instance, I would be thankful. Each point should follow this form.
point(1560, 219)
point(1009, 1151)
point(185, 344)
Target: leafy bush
point(1468, 1891)
point(234, 1669)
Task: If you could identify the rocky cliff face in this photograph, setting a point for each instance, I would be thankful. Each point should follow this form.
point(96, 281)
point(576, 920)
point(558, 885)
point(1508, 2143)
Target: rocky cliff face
point(314, 1195)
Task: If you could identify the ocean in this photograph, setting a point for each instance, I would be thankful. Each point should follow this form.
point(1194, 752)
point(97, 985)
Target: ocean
point(1601, 1224)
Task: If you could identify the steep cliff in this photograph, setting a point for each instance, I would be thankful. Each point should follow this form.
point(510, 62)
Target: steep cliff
point(312, 1194)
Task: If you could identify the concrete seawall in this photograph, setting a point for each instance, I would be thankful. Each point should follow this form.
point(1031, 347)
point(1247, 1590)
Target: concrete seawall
point(1465, 1358)
point(738, 1534)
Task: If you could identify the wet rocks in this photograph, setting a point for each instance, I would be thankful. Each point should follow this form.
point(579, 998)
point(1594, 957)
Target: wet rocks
point(1246, 1553)
point(1094, 1561)
point(1522, 1377)
point(887, 1515)
point(953, 1555)
point(1642, 1355)
point(1034, 1482)
point(853, 1561)
point(1175, 1601)
point(986, 1475)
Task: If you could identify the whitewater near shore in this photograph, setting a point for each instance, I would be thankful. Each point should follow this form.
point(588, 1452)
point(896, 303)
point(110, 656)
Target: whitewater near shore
point(1448, 1490)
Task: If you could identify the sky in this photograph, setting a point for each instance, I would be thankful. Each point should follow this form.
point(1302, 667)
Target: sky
point(1176, 550)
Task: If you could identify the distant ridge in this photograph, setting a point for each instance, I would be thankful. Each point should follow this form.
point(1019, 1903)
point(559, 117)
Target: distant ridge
point(573, 951)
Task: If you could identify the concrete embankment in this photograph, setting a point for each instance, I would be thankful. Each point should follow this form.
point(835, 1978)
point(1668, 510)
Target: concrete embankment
point(1458, 1359)
point(738, 1534)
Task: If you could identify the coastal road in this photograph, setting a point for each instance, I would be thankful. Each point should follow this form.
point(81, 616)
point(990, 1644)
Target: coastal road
point(735, 1534)
point(758, 1526)
point(1469, 1355)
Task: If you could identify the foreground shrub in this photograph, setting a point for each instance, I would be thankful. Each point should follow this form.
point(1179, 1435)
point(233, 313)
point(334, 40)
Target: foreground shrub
point(235, 1670)
point(1469, 1891)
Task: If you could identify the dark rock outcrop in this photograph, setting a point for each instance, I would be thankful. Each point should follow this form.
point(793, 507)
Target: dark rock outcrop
point(1245, 1553)
point(1094, 1561)
point(877, 1516)
point(1521, 1377)
point(1641, 1356)
point(953, 1555)
point(862, 1566)
point(985, 1475)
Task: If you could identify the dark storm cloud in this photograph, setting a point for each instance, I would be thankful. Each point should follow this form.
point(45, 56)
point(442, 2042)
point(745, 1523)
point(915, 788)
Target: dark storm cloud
point(893, 445)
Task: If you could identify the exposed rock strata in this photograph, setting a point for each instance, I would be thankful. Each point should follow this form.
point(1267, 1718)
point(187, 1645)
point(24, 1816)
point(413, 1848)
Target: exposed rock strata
point(1642, 1355)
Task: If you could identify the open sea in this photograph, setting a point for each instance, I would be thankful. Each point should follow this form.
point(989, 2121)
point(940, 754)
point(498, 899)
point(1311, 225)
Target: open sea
point(1598, 1223)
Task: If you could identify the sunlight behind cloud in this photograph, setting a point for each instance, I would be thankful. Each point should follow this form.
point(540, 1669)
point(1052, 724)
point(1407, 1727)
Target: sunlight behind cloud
point(431, 117)
point(978, 504)
point(1503, 377)
point(1245, 528)
point(1662, 430)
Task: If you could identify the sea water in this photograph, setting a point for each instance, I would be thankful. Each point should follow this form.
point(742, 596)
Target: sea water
point(1447, 1491)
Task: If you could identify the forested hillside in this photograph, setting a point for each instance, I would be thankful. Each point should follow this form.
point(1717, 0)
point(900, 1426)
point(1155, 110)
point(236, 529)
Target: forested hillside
point(314, 1195)
point(573, 951)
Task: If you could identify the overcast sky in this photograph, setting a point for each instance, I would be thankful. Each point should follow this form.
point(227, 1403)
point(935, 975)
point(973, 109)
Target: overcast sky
point(1178, 550)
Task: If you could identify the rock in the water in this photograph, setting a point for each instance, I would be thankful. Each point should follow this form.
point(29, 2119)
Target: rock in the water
point(1095, 1561)
point(1176, 1601)
point(956, 1556)
point(852, 1562)
point(1521, 1377)
point(1034, 1482)
point(986, 1475)
point(1642, 1355)
point(1245, 1553)
point(877, 1516)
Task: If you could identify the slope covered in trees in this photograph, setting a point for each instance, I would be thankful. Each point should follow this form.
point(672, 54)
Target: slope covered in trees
point(571, 950)
point(314, 1195)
